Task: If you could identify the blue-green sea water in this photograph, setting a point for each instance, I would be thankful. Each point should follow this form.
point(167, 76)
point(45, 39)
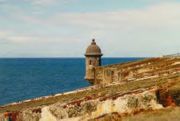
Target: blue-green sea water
point(26, 78)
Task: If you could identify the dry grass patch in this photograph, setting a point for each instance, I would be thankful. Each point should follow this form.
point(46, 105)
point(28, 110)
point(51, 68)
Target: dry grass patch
point(169, 114)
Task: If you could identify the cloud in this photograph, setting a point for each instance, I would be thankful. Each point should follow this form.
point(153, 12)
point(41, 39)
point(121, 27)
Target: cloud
point(161, 15)
point(45, 3)
point(148, 31)
point(2, 33)
point(14, 44)
point(42, 2)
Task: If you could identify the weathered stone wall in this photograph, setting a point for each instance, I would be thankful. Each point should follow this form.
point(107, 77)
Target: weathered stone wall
point(86, 109)
point(148, 68)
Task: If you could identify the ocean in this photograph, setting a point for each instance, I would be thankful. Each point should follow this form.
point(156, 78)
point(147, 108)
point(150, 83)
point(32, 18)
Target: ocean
point(26, 78)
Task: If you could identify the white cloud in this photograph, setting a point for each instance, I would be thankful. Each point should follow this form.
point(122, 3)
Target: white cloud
point(161, 15)
point(42, 2)
point(9, 38)
point(2, 34)
point(49, 2)
point(150, 31)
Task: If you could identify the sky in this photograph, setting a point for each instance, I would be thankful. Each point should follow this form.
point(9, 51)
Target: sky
point(64, 28)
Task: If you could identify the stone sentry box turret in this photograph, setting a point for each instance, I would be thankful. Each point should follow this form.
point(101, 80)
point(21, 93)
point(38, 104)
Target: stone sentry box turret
point(93, 59)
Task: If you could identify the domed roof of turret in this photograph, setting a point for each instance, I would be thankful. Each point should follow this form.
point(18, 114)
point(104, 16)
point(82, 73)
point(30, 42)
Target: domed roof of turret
point(93, 49)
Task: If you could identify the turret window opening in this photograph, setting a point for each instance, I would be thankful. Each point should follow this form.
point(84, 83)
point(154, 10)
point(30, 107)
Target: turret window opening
point(90, 62)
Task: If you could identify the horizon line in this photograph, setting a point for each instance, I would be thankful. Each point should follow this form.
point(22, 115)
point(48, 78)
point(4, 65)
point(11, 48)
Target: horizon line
point(79, 57)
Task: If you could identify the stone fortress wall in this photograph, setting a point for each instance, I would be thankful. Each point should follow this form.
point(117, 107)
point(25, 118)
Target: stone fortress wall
point(133, 71)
